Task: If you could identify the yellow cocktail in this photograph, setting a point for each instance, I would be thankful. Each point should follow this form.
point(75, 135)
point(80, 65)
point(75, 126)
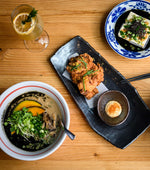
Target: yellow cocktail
point(29, 27)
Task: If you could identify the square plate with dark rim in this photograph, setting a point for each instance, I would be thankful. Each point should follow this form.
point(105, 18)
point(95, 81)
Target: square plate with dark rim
point(139, 117)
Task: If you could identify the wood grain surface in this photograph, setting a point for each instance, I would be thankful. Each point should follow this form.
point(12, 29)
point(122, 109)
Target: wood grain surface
point(64, 19)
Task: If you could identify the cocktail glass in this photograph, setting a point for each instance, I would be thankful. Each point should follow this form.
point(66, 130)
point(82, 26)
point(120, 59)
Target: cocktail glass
point(35, 38)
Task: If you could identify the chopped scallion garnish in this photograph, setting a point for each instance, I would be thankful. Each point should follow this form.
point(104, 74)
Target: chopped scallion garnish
point(83, 62)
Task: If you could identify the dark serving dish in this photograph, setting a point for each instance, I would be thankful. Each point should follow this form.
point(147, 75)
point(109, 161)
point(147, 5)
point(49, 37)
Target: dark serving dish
point(139, 117)
point(114, 95)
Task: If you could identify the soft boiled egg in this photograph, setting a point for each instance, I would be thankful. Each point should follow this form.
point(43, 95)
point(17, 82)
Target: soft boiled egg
point(113, 109)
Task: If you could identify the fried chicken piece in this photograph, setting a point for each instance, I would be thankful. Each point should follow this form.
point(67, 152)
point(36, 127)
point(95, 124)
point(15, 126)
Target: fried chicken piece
point(86, 74)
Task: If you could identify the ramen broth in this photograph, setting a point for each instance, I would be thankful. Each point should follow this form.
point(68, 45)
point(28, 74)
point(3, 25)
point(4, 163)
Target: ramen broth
point(50, 107)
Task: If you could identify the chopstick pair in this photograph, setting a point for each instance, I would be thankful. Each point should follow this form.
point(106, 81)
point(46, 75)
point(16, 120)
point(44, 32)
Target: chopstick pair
point(140, 77)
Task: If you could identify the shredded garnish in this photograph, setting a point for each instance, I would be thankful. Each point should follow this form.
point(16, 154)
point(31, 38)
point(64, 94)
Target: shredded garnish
point(75, 67)
point(83, 62)
point(89, 72)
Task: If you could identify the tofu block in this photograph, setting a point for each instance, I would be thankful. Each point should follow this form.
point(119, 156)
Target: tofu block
point(135, 30)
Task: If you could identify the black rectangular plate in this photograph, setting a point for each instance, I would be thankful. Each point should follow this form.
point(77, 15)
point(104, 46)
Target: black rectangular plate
point(139, 117)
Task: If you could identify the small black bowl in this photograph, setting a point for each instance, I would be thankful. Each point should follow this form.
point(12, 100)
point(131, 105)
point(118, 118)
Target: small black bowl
point(116, 96)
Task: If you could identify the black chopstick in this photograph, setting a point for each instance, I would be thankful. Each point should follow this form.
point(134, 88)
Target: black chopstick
point(140, 77)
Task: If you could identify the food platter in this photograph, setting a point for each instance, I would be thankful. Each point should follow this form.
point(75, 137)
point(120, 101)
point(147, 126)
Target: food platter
point(110, 24)
point(139, 117)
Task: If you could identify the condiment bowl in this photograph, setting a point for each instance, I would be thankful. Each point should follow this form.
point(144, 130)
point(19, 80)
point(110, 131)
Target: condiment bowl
point(8, 96)
point(115, 96)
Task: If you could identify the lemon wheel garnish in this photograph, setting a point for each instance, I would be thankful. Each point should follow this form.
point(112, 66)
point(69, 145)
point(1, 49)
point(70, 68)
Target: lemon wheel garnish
point(23, 29)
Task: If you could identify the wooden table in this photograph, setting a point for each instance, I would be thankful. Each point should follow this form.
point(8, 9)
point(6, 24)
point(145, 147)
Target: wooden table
point(64, 19)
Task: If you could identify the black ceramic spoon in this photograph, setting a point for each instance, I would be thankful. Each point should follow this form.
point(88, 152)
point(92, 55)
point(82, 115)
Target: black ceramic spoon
point(70, 134)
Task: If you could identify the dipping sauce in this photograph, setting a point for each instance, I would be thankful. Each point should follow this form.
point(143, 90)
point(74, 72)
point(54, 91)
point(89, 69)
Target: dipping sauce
point(139, 42)
point(113, 109)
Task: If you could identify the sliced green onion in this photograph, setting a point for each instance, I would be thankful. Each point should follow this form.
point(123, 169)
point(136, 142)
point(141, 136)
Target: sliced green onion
point(75, 67)
point(135, 38)
point(129, 32)
point(83, 62)
point(121, 33)
point(89, 72)
point(84, 84)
